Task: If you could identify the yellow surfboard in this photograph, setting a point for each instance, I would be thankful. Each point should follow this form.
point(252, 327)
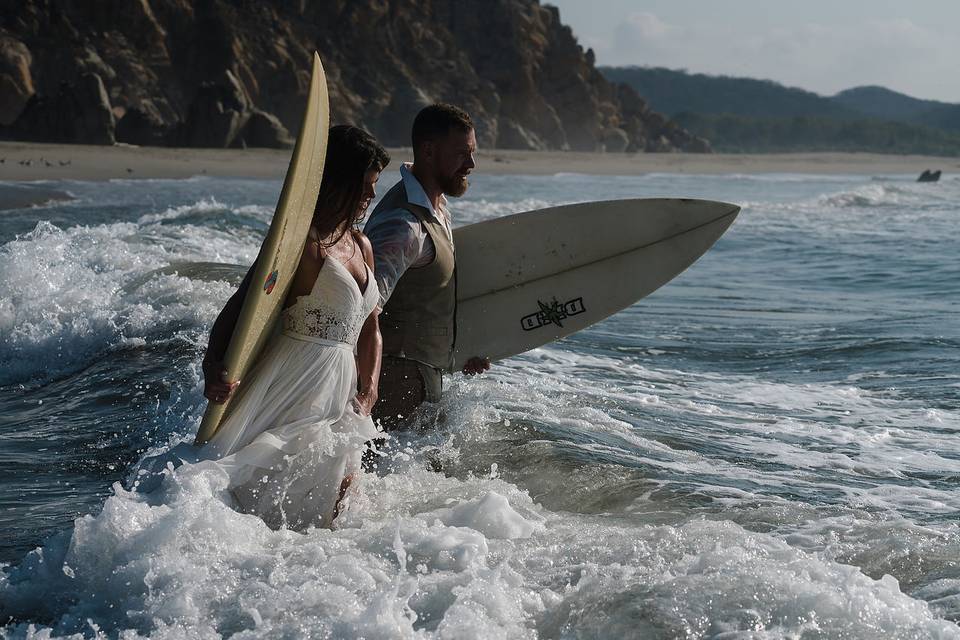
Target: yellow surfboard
point(280, 254)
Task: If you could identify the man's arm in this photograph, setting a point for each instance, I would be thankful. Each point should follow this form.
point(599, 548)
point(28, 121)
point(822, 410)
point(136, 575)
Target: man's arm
point(399, 242)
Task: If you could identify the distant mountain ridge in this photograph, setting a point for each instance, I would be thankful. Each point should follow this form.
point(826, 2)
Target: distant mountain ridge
point(747, 114)
point(884, 103)
point(674, 92)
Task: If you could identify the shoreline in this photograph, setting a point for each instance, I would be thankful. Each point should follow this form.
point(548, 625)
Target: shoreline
point(82, 162)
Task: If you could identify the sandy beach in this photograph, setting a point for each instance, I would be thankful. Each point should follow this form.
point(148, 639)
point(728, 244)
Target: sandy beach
point(31, 162)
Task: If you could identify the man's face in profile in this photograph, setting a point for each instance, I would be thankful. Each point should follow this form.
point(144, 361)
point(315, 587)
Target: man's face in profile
point(452, 161)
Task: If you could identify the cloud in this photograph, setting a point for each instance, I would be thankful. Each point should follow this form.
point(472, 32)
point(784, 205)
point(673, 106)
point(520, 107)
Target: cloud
point(648, 26)
point(644, 34)
point(826, 58)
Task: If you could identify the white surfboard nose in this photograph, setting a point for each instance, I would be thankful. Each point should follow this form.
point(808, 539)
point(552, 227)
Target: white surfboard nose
point(530, 278)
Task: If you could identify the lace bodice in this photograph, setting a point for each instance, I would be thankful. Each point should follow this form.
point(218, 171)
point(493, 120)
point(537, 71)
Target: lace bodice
point(335, 310)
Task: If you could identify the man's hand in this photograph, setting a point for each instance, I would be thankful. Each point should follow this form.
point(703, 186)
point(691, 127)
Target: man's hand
point(215, 386)
point(476, 365)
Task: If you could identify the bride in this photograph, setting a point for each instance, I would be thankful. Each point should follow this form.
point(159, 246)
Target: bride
point(293, 436)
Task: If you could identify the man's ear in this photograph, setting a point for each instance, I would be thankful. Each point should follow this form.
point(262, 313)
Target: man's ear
point(428, 149)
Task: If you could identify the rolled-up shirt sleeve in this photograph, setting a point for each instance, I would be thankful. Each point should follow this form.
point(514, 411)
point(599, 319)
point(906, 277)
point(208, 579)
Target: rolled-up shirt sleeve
point(398, 242)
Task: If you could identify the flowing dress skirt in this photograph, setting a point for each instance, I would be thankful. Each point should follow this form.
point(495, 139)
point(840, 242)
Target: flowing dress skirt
point(291, 434)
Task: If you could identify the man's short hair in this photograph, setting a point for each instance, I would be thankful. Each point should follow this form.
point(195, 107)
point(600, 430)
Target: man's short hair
point(436, 121)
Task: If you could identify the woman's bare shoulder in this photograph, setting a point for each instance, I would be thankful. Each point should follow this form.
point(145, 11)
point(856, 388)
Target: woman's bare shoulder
point(314, 249)
point(365, 246)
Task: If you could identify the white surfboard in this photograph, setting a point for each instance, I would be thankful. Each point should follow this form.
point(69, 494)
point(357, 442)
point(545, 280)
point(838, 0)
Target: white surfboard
point(527, 279)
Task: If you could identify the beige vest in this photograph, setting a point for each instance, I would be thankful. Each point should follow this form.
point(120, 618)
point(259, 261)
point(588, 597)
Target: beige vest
point(419, 320)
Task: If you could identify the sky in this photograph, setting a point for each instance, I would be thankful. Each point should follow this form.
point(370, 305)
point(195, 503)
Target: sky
point(825, 46)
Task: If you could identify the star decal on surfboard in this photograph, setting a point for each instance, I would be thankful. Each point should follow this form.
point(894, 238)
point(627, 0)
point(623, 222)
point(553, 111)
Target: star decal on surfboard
point(553, 313)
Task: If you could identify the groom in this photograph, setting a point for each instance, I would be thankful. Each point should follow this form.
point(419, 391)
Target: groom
point(413, 250)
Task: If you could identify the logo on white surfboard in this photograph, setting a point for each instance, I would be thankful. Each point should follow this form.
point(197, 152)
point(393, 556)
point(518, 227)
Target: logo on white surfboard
point(554, 312)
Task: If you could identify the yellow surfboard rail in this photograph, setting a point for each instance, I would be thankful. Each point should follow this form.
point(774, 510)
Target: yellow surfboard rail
point(280, 253)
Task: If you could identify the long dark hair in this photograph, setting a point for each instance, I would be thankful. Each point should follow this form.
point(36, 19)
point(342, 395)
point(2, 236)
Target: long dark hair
point(351, 152)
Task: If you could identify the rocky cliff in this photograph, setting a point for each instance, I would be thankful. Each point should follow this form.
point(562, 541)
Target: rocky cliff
point(222, 73)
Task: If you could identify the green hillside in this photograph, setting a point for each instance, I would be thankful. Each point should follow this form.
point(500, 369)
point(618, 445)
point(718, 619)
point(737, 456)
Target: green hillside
point(752, 134)
point(884, 103)
point(946, 117)
point(672, 92)
point(749, 115)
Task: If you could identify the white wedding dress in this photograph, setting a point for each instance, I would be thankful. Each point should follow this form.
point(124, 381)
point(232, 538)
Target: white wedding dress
point(291, 435)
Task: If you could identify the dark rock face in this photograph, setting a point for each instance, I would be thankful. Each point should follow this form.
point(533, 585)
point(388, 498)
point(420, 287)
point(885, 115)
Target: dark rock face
point(216, 116)
point(265, 130)
point(142, 125)
point(235, 73)
point(16, 84)
point(78, 112)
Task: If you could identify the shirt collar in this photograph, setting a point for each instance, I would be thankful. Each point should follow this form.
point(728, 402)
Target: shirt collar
point(415, 193)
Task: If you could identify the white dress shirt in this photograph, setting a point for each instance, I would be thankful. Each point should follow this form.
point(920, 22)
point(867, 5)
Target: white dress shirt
point(399, 239)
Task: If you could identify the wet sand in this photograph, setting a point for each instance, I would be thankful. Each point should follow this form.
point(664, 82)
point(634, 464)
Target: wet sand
point(31, 162)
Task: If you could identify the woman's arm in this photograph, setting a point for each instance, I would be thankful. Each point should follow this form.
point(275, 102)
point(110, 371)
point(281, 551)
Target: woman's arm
point(216, 389)
point(369, 345)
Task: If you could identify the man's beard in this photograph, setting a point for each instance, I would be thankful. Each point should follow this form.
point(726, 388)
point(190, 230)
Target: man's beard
point(454, 186)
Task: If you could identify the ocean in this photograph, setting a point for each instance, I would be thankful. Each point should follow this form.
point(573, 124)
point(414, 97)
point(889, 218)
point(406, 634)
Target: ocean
point(766, 447)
